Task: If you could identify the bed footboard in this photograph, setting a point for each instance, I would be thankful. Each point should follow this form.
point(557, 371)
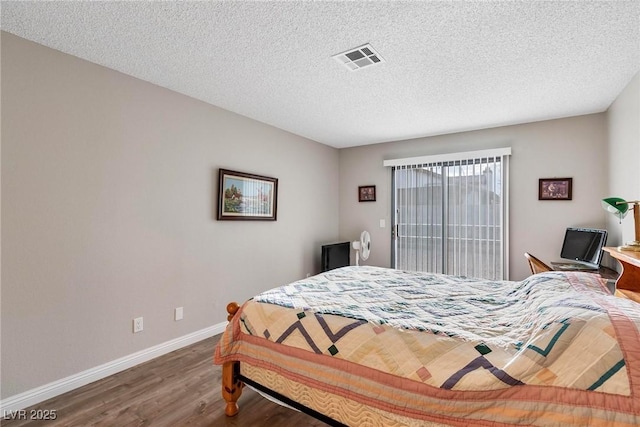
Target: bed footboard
point(231, 384)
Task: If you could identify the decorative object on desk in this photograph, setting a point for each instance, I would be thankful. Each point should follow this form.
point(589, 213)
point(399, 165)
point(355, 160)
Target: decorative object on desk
point(555, 188)
point(620, 208)
point(245, 196)
point(367, 193)
point(362, 247)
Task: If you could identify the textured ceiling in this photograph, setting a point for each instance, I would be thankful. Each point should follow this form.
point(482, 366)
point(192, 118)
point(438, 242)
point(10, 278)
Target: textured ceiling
point(448, 66)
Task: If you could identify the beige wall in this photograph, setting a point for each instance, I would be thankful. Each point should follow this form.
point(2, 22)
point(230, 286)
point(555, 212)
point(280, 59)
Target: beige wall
point(108, 199)
point(574, 147)
point(624, 156)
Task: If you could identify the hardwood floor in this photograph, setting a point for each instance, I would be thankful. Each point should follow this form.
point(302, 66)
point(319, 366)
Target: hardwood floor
point(181, 388)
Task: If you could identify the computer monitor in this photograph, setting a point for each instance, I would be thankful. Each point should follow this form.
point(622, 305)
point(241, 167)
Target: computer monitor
point(584, 245)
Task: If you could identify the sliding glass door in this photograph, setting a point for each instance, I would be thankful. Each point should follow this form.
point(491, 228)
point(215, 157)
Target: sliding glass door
point(451, 214)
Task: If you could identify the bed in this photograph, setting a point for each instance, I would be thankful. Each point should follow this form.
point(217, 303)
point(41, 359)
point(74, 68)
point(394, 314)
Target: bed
point(382, 347)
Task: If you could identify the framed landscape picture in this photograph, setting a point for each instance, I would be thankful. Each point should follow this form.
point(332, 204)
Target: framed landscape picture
point(555, 188)
point(245, 196)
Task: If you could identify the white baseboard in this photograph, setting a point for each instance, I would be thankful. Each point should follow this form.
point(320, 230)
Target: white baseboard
point(56, 388)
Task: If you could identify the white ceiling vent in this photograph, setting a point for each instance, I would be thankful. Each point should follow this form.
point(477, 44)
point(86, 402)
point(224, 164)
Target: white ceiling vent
point(359, 57)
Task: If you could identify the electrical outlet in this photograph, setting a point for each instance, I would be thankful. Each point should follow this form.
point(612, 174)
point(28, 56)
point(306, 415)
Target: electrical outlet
point(179, 313)
point(138, 326)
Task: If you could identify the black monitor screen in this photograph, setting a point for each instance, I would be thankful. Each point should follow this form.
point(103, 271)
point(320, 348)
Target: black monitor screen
point(584, 244)
point(335, 255)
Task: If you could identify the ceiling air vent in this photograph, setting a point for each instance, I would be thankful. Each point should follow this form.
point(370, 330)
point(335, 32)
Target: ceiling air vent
point(360, 57)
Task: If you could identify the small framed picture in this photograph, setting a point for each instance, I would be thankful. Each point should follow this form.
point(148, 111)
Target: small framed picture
point(367, 193)
point(555, 188)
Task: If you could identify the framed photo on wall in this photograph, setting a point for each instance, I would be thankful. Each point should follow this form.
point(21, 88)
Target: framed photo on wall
point(555, 188)
point(367, 193)
point(246, 196)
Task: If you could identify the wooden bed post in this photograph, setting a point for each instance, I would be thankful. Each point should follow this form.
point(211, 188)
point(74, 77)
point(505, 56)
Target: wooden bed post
point(231, 385)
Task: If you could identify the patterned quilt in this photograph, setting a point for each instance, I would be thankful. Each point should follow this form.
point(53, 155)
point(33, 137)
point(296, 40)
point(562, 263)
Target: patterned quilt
point(554, 349)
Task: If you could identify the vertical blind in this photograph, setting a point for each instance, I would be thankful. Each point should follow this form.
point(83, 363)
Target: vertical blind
point(450, 213)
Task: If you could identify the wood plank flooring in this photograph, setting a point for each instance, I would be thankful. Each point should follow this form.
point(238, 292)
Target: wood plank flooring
point(181, 388)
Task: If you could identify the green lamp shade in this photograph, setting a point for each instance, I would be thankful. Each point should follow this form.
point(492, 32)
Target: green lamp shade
point(616, 205)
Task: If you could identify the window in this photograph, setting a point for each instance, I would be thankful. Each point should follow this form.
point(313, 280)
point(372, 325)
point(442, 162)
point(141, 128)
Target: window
point(450, 213)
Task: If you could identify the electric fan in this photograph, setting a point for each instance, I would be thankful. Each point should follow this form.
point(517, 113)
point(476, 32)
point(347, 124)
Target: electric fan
point(362, 247)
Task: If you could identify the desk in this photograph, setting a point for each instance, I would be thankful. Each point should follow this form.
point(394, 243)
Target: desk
point(630, 261)
point(604, 272)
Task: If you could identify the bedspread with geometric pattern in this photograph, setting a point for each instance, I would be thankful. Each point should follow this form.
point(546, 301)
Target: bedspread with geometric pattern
point(558, 341)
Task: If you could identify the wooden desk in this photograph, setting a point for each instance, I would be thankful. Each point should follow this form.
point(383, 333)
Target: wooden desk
point(604, 272)
point(630, 278)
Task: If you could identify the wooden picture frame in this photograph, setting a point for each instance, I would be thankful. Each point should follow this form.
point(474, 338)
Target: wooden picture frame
point(246, 196)
point(555, 188)
point(367, 193)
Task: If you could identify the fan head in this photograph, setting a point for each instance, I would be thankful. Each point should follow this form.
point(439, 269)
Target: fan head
point(362, 246)
point(365, 245)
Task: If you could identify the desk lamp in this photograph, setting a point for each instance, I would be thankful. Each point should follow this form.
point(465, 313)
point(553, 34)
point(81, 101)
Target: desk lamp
point(620, 208)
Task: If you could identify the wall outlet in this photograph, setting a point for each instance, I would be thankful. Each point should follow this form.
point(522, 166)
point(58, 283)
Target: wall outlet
point(179, 313)
point(138, 326)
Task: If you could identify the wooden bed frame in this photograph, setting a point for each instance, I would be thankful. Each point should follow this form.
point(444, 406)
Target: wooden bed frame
point(233, 382)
